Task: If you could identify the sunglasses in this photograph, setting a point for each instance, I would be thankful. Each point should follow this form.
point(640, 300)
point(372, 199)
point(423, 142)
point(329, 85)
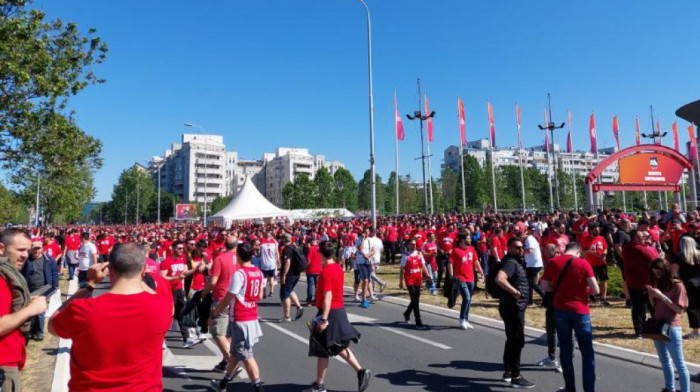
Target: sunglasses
point(180, 248)
point(518, 247)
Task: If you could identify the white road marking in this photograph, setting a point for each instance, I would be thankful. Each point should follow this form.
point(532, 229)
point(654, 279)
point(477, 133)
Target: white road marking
point(180, 364)
point(355, 318)
point(295, 336)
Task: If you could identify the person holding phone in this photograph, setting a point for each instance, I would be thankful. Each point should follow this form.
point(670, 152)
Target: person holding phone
point(40, 270)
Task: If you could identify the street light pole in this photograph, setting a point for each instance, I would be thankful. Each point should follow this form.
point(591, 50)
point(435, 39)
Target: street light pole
point(551, 127)
point(371, 117)
point(418, 115)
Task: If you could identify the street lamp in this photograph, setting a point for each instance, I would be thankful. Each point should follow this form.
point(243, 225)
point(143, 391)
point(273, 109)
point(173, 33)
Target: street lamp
point(206, 149)
point(371, 117)
point(160, 164)
point(418, 115)
point(551, 127)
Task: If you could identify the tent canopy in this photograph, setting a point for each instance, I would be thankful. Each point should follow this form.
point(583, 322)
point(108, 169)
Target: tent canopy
point(249, 203)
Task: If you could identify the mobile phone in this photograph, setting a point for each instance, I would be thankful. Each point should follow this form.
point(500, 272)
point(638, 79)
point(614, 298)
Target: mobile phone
point(45, 291)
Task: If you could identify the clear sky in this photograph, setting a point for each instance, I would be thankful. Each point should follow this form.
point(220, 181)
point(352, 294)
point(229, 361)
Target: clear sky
point(269, 73)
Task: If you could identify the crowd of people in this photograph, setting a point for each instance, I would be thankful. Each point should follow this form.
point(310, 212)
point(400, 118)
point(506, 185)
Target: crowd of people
point(209, 280)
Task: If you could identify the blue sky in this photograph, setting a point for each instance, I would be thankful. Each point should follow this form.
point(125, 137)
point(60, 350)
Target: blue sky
point(269, 73)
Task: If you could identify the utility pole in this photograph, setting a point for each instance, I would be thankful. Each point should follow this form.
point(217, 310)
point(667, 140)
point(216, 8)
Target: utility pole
point(418, 115)
point(551, 127)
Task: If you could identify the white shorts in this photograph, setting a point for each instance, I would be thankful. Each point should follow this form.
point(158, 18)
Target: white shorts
point(348, 251)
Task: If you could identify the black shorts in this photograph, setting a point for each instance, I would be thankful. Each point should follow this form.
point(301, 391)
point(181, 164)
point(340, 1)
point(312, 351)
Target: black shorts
point(288, 286)
point(334, 339)
point(601, 273)
point(268, 273)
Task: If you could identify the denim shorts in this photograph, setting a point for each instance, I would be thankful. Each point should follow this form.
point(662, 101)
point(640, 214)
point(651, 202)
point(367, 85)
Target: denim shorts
point(364, 271)
point(288, 286)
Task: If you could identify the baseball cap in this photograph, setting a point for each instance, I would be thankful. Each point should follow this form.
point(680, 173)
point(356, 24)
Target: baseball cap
point(37, 244)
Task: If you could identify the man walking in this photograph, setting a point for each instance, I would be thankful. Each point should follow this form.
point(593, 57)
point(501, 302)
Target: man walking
point(292, 267)
point(412, 272)
point(174, 269)
point(269, 259)
point(595, 248)
point(570, 280)
point(87, 256)
point(512, 279)
point(40, 270)
point(16, 307)
point(461, 264)
point(637, 258)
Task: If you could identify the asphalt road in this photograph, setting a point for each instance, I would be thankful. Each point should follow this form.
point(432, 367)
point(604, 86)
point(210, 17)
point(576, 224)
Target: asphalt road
point(401, 358)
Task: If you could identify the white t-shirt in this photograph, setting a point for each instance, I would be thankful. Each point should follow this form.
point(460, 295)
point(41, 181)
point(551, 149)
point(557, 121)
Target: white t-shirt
point(533, 258)
point(376, 245)
point(268, 253)
point(362, 245)
point(86, 254)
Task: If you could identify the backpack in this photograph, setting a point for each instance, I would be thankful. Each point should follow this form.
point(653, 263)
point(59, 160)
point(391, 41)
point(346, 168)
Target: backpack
point(494, 290)
point(299, 262)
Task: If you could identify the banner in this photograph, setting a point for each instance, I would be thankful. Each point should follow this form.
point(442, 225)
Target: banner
point(462, 123)
point(430, 121)
point(492, 126)
point(693, 149)
point(658, 131)
point(569, 142)
point(186, 211)
point(649, 168)
point(676, 145)
point(400, 134)
point(592, 134)
point(517, 116)
point(616, 132)
point(636, 129)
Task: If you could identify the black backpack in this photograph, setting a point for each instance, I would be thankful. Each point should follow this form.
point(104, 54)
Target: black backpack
point(494, 290)
point(299, 262)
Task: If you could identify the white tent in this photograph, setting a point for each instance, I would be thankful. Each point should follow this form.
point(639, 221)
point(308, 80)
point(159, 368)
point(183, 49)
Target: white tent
point(248, 204)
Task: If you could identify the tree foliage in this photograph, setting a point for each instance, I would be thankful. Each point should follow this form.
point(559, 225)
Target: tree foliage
point(132, 198)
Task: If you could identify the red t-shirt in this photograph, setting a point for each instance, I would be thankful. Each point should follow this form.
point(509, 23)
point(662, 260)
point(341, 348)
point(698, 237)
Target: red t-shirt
point(572, 294)
point(151, 266)
point(314, 267)
point(430, 247)
point(12, 349)
point(597, 245)
point(446, 240)
point(224, 267)
point(247, 308)
point(117, 341)
point(53, 250)
point(331, 279)
point(103, 246)
point(73, 242)
point(462, 261)
point(392, 234)
point(197, 277)
point(413, 269)
point(174, 267)
point(495, 242)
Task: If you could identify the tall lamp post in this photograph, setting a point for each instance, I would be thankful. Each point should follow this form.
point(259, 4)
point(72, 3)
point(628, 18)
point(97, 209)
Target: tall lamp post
point(418, 115)
point(206, 150)
point(551, 127)
point(371, 117)
point(656, 138)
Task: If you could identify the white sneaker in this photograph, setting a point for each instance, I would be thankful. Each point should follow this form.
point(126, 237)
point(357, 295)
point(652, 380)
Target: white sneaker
point(357, 298)
point(375, 298)
point(189, 343)
point(469, 326)
point(202, 337)
point(463, 324)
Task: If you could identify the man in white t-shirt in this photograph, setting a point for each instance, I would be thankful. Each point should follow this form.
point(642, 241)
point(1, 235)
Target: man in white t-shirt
point(87, 256)
point(533, 259)
point(376, 248)
point(269, 259)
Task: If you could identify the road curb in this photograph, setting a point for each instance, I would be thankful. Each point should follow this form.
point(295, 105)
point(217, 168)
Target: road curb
point(61, 371)
point(607, 350)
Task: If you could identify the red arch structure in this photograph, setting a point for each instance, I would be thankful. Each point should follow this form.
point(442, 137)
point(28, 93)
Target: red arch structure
point(657, 152)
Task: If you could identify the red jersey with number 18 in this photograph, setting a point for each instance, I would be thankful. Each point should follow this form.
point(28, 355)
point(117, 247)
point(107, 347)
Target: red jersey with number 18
point(245, 307)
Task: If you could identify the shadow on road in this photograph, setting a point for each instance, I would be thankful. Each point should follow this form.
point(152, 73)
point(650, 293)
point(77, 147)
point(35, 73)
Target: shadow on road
point(441, 383)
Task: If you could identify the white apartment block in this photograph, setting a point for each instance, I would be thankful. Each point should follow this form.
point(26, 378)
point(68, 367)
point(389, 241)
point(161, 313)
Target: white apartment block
point(576, 162)
point(284, 166)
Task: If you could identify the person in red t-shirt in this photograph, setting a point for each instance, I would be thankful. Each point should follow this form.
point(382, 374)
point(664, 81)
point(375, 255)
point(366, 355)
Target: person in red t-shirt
point(412, 272)
point(313, 269)
point(106, 346)
point(246, 290)
point(15, 245)
point(463, 259)
point(429, 251)
point(331, 330)
point(174, 269)
point(570, 289)
point(637, 258)
point(72, 245)
point(104, 246)
point(496, 248)
point(446, 240)
point(595, 247)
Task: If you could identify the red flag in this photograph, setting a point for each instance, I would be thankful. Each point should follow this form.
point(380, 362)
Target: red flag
point(492, 126)
point(636, 129)
point(517, 115)
point(400, 134)
point(658, 131)
point(693, 150)
point(462, 123)
point(616, 132)
point(546, 141)
point(569, 142)
point(674, 127)
point(593, 135)
point(430, 121)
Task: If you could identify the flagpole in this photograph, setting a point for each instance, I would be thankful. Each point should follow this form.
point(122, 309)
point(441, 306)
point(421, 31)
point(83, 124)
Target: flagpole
point(493, 170)
point(430, 178)
point(520, 155)
point(461, 163)
point(396, 143)
point(685, 202)
point(462, 141)
point(573, 180)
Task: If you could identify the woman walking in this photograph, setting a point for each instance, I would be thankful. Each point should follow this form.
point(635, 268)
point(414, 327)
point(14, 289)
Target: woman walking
point(668, 297)
point(686, 264)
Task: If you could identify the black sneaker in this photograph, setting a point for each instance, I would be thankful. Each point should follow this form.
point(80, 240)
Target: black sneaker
point(363, 377)
point(406, 318)
point(506, 377)
point(520, 382)
point(220, 385)
point(422, 327)
point(259, 387)
point(315, 387)
point(300, 313)
point(221, 366)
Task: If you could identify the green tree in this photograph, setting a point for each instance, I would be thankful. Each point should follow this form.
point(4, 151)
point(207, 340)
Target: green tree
point(364, 189)
point(475, 183)
point(288, 193)
point(346, 190)
point(13, 210)
point(390, 192)
point(219, 203)
point(325, 186)
point(125, 204)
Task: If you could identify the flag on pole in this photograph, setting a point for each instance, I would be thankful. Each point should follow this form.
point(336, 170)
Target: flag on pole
point(462, 123)
point(517, 115)
point(616, 132)
point(636, 129)
point(430, 121)
point(400, 134)
point(676, 145)
point(693, 150)
point(592, 134)
point(569, 142)
point(492, 126)
point(658, 131)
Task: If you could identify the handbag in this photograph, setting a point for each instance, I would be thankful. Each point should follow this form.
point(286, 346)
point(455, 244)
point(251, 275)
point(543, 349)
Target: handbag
point(656, 329)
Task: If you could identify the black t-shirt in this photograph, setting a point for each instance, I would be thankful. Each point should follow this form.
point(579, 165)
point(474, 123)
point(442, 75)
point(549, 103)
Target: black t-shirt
point(689, 274)
point(517, 277)
point(288, 254)
point(620, 238)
